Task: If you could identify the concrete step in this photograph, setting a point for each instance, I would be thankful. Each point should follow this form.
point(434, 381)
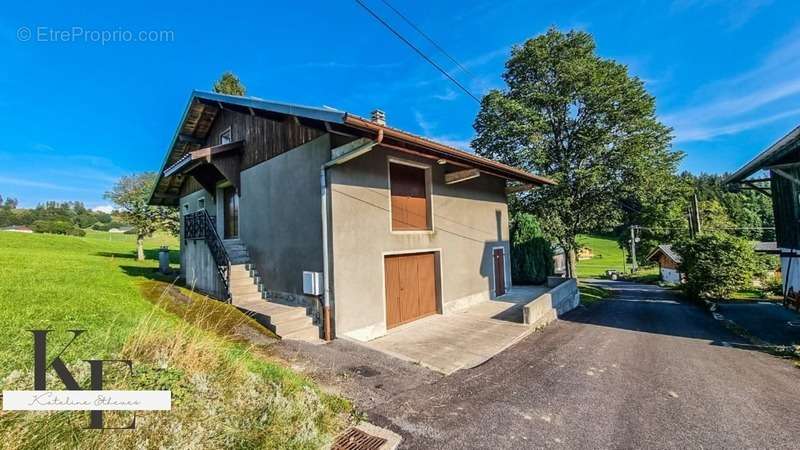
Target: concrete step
point(244, 290)
point(237, 254)
point(239, 260)
point(285, 327)
point(276, 313)
point(240, 281)
point(248, 298)
point(310, 334)
point(241, 274)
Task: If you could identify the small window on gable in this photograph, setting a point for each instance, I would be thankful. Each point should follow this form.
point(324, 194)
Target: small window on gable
point(411, 209)
point(186, 208)
point(225, 137)
point(201, 203)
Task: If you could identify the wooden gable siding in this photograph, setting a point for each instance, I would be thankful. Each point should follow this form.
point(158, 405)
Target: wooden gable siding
point(666, 262)
point(264, 138)
point(189, 186)
point(785, 206)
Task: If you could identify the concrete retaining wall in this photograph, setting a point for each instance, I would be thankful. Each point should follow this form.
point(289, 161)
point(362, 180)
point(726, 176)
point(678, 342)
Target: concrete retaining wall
point(548, 306)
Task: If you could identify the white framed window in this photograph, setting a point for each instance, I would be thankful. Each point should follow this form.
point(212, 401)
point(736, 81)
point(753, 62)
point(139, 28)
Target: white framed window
point(201, 203)
point(225, 137)
point(185, 208)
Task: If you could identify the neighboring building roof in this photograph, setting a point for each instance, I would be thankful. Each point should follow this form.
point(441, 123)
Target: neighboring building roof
point(17, 228)
point(667, 250)
point(768, 157)
point(766, 247)
point(203, 106)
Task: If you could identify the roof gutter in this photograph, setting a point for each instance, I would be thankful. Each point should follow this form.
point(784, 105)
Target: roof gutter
point(346, 154)
point(489, 166)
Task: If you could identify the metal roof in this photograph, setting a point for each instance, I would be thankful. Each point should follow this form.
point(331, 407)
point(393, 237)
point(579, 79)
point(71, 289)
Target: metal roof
point(667, 250)
point(309, 112)
point(763, 159)
point(193, 119)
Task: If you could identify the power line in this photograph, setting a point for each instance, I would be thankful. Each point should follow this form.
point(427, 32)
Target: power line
point(419, 52)
point(428, 38)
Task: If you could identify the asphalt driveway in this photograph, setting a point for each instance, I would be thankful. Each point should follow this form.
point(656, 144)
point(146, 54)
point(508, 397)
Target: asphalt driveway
point(640, 370)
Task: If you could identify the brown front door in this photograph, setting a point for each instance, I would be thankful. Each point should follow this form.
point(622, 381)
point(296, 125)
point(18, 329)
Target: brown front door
point(231, 203)
point(499, 272)
point(410, 287)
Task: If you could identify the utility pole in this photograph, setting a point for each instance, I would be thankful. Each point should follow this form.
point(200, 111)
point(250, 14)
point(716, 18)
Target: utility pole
point(697, 214)
point(634, 265)
point(694, 217)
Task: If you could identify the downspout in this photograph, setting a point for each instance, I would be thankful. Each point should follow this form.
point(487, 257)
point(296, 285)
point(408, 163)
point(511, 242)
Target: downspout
point(326, 268)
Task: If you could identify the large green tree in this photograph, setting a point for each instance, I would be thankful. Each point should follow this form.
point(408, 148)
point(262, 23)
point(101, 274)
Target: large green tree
point(229, 84)
point(131, 194)
point(582, 120)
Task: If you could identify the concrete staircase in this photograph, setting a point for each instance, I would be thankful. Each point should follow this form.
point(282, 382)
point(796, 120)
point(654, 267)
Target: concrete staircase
point(247, 294)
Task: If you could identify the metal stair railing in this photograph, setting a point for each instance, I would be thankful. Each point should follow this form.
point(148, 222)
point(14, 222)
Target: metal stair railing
point(199, 225)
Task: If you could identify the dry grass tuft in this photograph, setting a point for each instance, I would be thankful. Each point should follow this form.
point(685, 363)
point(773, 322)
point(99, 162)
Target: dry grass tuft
point(222, 395)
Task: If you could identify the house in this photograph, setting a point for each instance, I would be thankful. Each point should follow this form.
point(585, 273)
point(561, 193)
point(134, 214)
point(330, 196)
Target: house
point(668, 263)
point(17, 229)
point(776, 172)
point(289, 208)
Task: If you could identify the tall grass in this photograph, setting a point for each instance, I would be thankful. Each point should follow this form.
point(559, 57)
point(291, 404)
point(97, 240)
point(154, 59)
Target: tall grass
point(223, 397)
point(226, 391)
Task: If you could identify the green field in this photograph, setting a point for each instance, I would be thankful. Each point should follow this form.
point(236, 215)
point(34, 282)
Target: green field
point(606, 256)
point(227, 392)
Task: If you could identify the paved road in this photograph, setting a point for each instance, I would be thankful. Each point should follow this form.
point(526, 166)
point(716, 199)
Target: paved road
point(767, 321)
point(640, 370)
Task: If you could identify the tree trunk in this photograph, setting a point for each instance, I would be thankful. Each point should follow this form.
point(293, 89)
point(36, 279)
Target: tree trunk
point(140, 248)
point(570, 261)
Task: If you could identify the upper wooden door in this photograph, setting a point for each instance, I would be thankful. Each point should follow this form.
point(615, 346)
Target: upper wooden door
point(499, 271)
point(410, 287)
point(231, 207)
point(410, 202)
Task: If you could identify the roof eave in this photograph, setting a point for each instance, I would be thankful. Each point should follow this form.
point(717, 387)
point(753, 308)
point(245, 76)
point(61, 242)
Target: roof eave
point(759, 161)
point(510, 172)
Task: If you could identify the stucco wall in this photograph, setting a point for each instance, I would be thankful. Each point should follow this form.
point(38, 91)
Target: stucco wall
point(790, 275)
point(280, 217)
point(469, 219)
point(198, 268)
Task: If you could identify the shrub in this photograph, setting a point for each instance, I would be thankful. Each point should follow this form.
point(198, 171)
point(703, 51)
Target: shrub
point(716, 264)
point(531, 253)
point(57, 227)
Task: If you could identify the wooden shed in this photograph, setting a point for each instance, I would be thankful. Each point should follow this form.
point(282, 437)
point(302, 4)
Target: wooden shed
point(668, 262)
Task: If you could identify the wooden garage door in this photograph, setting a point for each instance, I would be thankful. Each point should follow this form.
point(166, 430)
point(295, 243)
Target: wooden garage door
point(410, 287)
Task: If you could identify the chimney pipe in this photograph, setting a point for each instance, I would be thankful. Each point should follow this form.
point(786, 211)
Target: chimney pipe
point(379, 117)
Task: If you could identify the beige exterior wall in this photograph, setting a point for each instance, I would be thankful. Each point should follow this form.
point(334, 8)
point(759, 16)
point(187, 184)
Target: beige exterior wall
point(469, 220)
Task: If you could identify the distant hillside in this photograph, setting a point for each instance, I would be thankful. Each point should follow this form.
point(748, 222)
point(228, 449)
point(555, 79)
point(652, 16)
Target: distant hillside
point(605, 255)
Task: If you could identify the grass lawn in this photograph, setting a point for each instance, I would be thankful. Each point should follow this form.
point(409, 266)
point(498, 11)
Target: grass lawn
point(606, 256)
point(227, 391)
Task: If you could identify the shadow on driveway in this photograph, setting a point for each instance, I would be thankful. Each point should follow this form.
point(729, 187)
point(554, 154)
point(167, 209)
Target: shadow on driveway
point(767, 321)
point(653, 309)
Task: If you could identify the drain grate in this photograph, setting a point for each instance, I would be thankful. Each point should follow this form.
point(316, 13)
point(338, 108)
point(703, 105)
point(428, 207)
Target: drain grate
point(355, 439)
point(364, 371)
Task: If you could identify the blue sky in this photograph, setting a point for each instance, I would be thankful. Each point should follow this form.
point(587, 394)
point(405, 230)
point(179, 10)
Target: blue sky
point(78, 113)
